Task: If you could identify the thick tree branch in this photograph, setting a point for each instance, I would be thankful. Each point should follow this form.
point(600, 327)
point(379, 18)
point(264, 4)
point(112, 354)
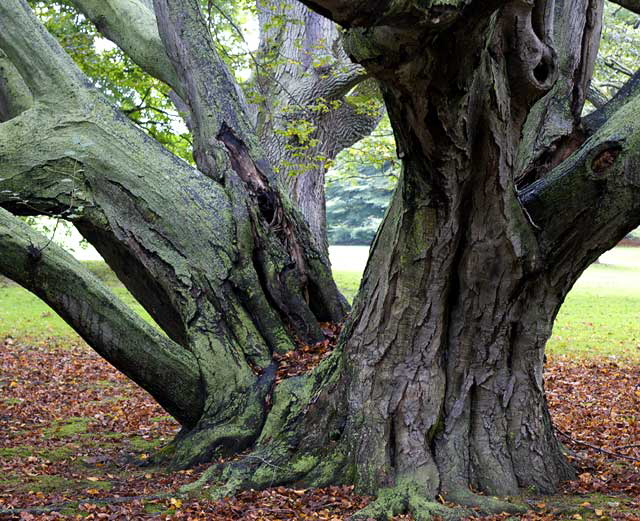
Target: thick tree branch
point(632, 5)
point(393, 13)
point(596, 98)
point(132, 26)
point(335, 83)
point(599, 117)
point(591, 200)
point(15, 96)
point(208, 87)
point(45, 68)
point(118, 334)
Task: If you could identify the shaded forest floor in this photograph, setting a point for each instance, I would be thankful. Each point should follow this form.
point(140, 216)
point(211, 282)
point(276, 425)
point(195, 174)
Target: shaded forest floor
point(76, 435)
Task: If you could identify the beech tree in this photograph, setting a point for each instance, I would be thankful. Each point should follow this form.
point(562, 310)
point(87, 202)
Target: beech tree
point(506, 195)
point(306, 98)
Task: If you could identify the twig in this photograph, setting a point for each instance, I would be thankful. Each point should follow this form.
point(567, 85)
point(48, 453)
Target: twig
point(621, 447)
point(595, 447)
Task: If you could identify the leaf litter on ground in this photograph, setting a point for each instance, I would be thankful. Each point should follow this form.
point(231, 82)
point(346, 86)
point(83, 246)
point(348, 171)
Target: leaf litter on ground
point(76, 435)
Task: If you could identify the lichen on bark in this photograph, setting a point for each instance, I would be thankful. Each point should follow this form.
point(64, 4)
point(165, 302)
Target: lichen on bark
point(435, 386)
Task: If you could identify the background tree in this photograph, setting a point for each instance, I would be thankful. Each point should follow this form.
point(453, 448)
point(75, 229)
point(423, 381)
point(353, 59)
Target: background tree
point(506, 195)
point(314, 102)
point(305, 95)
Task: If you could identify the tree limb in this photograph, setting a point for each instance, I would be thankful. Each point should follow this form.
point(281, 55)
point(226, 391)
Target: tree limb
point(599, 117)
point(118, 334)
point(45, 68)
point(15, 96)
point(632, 5)
point(207, 84)
point(592, 200)
point(596, 98)
point(132, 26)
point(397, 13)
point(336, 84)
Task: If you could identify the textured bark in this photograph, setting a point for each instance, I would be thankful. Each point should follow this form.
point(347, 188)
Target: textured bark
point(221, 261)
point(303, 66)
point(436, 386)
point(15, 96)
point(445, 348)
point(553, 129)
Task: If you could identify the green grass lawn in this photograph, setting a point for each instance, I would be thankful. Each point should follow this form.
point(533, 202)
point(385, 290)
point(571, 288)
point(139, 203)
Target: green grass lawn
point(600, 317)
point(25, 316)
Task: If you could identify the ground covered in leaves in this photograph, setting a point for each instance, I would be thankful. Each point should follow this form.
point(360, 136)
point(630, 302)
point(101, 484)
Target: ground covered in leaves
point(75, 437)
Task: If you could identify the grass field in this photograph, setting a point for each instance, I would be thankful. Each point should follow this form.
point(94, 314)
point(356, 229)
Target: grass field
point(600, 317)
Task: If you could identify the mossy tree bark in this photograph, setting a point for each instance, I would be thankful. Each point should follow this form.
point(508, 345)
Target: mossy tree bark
point(436, 386)
point(218, 256)
point(302, 77)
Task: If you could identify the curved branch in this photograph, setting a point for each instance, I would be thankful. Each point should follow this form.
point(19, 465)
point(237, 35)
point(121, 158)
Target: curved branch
point(631, 5)
point(591, 200)
point(118, 334)
point(45, 68)
point(132, 26)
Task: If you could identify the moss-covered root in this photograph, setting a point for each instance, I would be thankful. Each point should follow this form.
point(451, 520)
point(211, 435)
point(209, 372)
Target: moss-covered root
point(485, 504)
point(257, 470)
point(408, 499)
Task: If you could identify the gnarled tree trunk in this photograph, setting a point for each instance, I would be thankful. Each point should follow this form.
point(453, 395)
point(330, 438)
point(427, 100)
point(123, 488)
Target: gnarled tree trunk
point(436, 385)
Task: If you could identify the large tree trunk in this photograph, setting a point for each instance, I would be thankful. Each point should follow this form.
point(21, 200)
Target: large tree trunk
point(436, 385)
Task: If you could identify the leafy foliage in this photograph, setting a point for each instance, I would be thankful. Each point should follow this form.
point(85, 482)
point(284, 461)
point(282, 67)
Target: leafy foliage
point(140, 97)
point(619, 53)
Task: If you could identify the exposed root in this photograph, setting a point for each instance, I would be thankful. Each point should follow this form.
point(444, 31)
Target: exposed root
point(485, 504)
point(225, 432)
point(408, 499)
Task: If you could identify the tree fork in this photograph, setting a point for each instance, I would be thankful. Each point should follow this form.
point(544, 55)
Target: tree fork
point(436, 386)
point(192, 266)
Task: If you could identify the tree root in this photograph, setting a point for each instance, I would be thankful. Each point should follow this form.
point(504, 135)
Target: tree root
point(485, 504)
point(408, 499)
point(221, 434)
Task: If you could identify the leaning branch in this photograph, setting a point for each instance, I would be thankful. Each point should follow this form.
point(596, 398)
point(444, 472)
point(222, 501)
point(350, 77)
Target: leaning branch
point(118, 334)
point(592, 200)
point(132, 26)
